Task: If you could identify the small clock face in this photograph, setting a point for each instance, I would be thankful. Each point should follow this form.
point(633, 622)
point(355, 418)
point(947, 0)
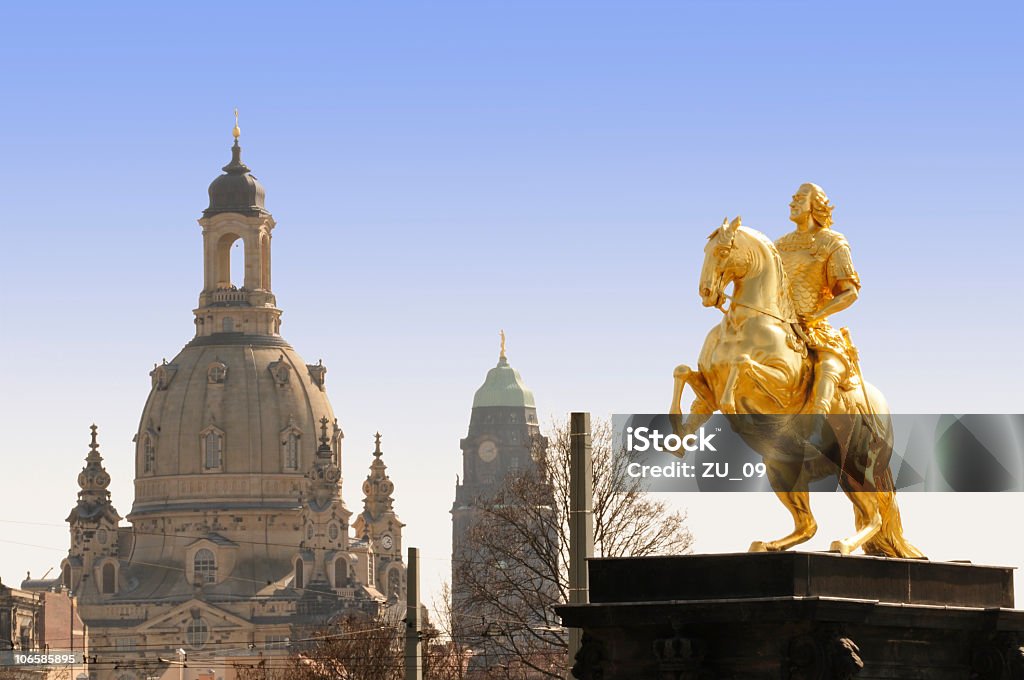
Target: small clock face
point(488, 451)
point(387, 542)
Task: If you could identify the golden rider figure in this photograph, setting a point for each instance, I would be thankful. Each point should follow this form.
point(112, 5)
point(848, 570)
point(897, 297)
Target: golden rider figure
point(822, 281)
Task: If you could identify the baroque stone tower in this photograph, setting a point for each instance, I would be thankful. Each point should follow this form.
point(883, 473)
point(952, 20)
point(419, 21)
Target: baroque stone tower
point(92, 560)
point(379, 528)
point(238, 514)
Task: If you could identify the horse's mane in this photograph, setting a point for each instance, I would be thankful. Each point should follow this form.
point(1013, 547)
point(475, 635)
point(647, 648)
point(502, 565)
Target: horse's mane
point(784, 300)
point(767, 242)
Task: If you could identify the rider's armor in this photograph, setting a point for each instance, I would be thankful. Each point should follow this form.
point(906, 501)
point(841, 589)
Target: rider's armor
point(815, 262)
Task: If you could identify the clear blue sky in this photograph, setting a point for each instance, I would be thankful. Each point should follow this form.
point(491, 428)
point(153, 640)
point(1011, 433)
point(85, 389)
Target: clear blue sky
point(442, 170)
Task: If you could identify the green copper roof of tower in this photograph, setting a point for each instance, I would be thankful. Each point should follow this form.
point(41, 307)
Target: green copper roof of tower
point(503, 387)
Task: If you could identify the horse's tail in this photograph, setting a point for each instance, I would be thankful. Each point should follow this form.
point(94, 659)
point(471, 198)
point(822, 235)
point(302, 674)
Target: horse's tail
point(889, 540)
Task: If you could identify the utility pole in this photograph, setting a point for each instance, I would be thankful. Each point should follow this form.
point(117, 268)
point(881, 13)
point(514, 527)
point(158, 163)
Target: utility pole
point(413, 623)
point(71, 623)
point(581, 519)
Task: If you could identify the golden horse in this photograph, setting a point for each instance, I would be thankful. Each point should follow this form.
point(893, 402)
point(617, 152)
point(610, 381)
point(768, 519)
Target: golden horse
point(754, 367)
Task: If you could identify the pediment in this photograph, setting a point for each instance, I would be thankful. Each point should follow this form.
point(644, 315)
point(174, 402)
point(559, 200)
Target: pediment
point(212, 540)
point(216, 618)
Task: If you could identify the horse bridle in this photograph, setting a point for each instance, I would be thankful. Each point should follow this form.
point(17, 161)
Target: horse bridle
point(730, 246)
point(755, 308)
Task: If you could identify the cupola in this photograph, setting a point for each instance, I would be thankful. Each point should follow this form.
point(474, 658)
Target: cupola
point(237, 190)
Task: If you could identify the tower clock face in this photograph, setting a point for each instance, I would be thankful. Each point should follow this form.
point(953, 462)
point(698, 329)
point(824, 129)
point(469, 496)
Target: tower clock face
point(488, 451)
point(387, 542)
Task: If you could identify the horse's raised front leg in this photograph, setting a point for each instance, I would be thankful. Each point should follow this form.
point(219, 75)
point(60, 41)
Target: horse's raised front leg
point(701, 408)
point(683, 376)
point(679, 379)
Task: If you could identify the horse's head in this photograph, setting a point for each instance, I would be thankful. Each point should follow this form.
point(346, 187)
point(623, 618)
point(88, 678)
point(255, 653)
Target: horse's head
point(724, 262)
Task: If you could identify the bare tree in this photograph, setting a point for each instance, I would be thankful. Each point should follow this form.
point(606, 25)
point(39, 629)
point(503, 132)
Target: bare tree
point(514, 565)
point(357, 647)
point(40, 673)
point(446, 654)
point(360, 647)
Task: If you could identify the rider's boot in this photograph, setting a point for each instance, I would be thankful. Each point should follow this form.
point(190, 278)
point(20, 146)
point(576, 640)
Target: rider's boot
point(827, 374)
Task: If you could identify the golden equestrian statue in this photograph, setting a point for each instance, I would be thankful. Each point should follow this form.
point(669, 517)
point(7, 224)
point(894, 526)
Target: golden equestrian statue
point(788, 381)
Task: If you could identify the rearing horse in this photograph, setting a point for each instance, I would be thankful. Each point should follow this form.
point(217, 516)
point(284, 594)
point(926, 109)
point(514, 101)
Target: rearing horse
point(754, 367)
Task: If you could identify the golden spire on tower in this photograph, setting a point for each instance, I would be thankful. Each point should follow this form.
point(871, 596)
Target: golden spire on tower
point(502, 355)
point(236, 132)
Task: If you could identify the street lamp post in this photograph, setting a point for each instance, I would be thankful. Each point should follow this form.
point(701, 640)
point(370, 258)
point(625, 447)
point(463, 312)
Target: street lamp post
point(180, 662)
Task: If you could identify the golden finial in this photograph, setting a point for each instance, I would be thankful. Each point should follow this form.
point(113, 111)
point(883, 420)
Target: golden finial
point(502, 344)
point(236, 132)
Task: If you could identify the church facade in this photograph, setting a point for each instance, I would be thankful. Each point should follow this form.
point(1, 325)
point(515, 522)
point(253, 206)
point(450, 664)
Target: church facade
point(238, 539)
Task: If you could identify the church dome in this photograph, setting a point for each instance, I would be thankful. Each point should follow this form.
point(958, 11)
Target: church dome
point(503, 387)
point(232, 425)
point(236, 191)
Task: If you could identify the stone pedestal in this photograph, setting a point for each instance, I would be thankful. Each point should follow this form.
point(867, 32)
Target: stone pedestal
point(796, 616)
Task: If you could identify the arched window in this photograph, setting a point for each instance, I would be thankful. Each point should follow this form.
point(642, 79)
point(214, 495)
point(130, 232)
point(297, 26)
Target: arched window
point(213, 449)
point(299, 576)
point(340, 573)
point(65, 576)
point(198, 633)
point(204, 567)
point(109, 577)
point(148, 455)
point(230, 256)
point(238, 262)
point(291, 451)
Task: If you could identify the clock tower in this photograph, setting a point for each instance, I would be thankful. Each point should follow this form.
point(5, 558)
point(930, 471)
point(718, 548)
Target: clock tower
point(504, 438)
